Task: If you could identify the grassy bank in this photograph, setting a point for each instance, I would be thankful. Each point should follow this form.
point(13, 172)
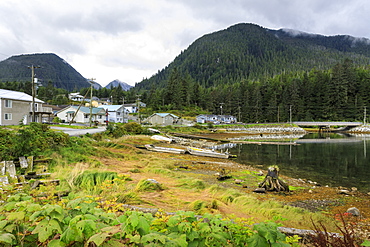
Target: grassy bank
point(116, 175)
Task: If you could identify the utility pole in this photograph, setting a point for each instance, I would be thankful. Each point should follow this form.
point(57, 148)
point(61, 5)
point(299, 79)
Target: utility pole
point(33, 90)
point(221, 107)
point(364, 115)
point(138, 106)
point(91, 94)
point(239, 112)
point(290, 113)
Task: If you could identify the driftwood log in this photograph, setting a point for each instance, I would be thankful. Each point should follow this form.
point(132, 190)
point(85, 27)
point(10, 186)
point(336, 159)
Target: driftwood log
point(272, 181)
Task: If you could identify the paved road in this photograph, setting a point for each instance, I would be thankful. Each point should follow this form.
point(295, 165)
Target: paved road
point(79, 132)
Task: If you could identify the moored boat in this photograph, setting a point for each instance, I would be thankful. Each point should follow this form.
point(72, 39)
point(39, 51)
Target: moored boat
point(207, 152)
point(164, 149)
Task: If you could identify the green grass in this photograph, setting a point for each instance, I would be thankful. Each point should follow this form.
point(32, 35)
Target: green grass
point(72, 126)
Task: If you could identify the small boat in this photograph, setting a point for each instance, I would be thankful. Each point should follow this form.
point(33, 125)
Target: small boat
point(162, 138)
point(207, 152)
point(164, 149)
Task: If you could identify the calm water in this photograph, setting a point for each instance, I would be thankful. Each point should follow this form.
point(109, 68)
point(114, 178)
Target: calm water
point(332, 159)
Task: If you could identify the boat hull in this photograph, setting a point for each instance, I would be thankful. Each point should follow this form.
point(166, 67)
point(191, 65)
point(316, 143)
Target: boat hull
point(207, 153)
point(164, 149)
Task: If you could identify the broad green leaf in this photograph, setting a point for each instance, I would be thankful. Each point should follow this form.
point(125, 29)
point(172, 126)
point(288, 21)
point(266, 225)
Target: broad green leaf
point(56, 243)
point(143, 226)
point(10, 205)
point(257, 241)
point(366, 243)
point(35, 215)
point(266, 232)
point(43, 231)
point(85, 208)
point(87, 227)
point(70, 235)
point(10, 227)
point(134, 220)
point(91, 217)
point(16, 216)
point(204, 228)
point(6, 238)
point(46, 228)
point(33, 207)
point(3, 224)
point(154, 238)
point(174, 220)
point(181, 241)
point(50, 208)
point(98, 238)
point(75, 220)
point(194, 235)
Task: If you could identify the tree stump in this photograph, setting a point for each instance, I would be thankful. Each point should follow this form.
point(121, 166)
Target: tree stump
point(272, 181)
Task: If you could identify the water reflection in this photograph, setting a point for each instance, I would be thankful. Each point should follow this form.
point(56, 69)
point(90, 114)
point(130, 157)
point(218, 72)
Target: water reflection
point(332, 159)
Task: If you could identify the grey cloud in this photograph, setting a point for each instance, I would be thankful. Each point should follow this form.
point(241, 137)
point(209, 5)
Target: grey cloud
point(109, 22)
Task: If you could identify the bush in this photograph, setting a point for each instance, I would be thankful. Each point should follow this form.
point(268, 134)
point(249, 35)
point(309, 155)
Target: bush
point(131, 128)
point(30, 140)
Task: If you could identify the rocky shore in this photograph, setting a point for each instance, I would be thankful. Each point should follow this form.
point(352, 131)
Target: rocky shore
point(262, 130)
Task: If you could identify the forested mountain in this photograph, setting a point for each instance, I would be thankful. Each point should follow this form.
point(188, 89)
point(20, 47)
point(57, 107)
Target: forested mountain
point(262, 75)
point(52, 69)
point(248, 51)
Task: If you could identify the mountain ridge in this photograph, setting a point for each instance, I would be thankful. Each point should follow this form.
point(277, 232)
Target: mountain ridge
point(117, 83)
point(248, 51)
point(52, 69)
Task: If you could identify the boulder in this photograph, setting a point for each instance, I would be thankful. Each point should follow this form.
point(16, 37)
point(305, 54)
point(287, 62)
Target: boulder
point(354, 211)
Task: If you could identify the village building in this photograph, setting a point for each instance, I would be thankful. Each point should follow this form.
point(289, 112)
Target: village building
point(163, 119)
point(75, 97)
point(115, 113)
point(215, 119)
point(16, 107)
point(81, 114)
point(134, 107)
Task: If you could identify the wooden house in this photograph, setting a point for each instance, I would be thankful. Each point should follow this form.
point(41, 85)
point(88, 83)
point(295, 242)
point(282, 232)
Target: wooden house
point(163, 119)
point(16, 107)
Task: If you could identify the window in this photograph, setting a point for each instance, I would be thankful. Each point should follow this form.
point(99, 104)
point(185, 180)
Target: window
point(8, 116)
point(8, 103)
point(87, 116)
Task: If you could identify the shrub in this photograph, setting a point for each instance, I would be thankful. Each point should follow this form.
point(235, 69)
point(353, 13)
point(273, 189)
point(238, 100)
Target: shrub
point(148, 185)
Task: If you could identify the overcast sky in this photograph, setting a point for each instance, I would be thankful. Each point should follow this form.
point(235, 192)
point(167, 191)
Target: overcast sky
point(132, 39)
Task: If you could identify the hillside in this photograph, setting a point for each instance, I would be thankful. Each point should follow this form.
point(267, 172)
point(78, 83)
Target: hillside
point(248, 51)
point(52, 69)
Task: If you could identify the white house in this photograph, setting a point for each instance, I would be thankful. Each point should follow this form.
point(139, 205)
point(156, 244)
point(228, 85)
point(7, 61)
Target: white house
point(133, 108)
point(211, 118)
point(116, 113)
point(16, 107)
point(75, 97)
point(81, 115)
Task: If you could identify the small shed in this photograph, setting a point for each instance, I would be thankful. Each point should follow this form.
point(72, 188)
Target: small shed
point(163, 119)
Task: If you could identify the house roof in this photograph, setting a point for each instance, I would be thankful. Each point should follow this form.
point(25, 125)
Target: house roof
point(165, 114)
point(14, 95)
point(84, 109)
point(110, 107)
